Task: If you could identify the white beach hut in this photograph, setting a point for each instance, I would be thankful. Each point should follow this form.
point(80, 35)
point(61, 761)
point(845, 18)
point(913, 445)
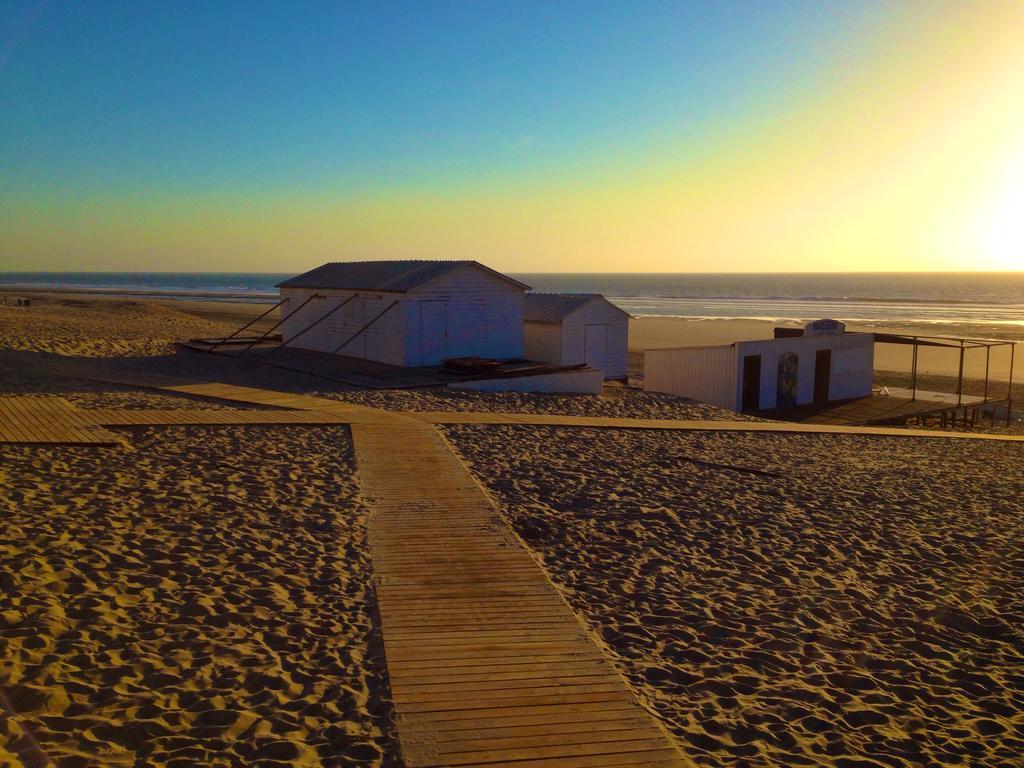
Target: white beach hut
point(407, 313)
point(569, 329)
point(820, 364)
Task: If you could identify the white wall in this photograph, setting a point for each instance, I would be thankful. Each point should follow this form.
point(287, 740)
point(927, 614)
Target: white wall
point(383, 341)
point(597, 312)
point(850, 376)
point(543, 342)
point(707, 374)
point(484, 316)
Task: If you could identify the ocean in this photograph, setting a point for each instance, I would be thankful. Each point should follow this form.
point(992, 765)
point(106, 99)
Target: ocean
point(989, 302)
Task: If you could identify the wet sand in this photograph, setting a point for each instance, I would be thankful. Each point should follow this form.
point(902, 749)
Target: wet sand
point(826, 601)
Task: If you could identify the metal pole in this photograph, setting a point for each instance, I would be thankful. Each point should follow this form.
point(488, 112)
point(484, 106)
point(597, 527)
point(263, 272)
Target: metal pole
point(1009, 393)
point(311, 325)
point(913, 374)
point(960, 378)
point(252, 322)
point(988, 355)
point(274, 327)
point(356, 334)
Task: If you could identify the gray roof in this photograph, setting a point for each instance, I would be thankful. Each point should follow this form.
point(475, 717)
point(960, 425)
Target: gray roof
point(394, 276)
point(554, 307)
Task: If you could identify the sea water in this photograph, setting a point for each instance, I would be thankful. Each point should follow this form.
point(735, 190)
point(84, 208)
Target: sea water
point(990, 301)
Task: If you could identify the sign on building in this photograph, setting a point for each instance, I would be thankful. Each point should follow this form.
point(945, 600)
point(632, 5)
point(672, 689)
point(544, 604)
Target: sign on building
point(824, 327)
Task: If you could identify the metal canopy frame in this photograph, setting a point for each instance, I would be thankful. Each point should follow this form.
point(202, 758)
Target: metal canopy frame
point(961, 344)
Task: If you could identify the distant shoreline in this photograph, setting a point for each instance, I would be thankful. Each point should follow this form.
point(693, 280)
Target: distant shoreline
point(668, 333)
point(121, 293)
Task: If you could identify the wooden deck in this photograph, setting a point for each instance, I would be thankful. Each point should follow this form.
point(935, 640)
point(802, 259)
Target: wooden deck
point(898, 406)
point(49, 421)
point(488, 665)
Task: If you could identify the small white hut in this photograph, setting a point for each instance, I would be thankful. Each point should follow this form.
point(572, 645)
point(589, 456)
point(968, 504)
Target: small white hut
point(569, 329)
point(819, 364)
point(407, 313)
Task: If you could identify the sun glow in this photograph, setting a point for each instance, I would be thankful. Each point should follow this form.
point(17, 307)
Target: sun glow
point(1000, 223)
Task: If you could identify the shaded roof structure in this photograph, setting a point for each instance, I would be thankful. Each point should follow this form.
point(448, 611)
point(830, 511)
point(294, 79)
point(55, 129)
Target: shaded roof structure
point(392, 276)
point(554, 307)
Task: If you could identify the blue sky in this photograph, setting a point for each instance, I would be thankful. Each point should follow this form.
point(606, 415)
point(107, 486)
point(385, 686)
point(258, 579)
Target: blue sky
point(558, 135)
point(343, 94)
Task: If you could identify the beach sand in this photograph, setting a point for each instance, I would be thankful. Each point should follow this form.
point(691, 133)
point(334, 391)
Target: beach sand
point(827, 601)
point(644, 332)
point(206, 598)
point(203, 599)
point(101, 334)
point(91, 327)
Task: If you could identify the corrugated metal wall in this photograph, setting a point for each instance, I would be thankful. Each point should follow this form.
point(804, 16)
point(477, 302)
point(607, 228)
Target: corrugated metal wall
point(851, 372)
point(574, 336)
point(707, 374)
point(543, 342)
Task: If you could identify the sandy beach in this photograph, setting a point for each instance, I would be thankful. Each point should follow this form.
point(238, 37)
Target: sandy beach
point(825, 601)
point(205, 597)
point(644, 332)
point(188, 603)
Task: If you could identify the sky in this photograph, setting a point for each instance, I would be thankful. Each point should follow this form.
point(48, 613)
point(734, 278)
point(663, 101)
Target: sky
point(532, 136)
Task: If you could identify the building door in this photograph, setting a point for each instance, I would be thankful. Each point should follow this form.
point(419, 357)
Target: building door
point(433, 332)
point(751, 383)
point(822, 375)
point(789, 377)
point(595, 346)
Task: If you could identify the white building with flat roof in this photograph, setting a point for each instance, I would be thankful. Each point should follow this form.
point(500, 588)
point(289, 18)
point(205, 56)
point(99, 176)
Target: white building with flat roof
point(821, 364)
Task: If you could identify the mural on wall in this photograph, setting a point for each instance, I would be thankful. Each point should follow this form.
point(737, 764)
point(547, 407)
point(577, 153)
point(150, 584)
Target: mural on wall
point(785, 393)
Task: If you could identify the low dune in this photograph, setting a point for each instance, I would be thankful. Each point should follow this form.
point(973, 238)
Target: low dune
point(96, 328)
point(787, 600)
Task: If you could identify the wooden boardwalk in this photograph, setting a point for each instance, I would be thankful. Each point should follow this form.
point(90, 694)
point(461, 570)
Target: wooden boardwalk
point(116, 417)
point(49, 421)
point(702, 425)
point(488, 665)
point(357, 414)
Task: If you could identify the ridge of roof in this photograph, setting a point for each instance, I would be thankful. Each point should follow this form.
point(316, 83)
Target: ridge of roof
point(394, 275)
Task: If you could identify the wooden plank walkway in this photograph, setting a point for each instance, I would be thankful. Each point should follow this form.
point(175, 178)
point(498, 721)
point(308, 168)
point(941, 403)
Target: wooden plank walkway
point(51, 421)
point(116, 417)
point(362, 414)
point(554, 420)
point(488, 665)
